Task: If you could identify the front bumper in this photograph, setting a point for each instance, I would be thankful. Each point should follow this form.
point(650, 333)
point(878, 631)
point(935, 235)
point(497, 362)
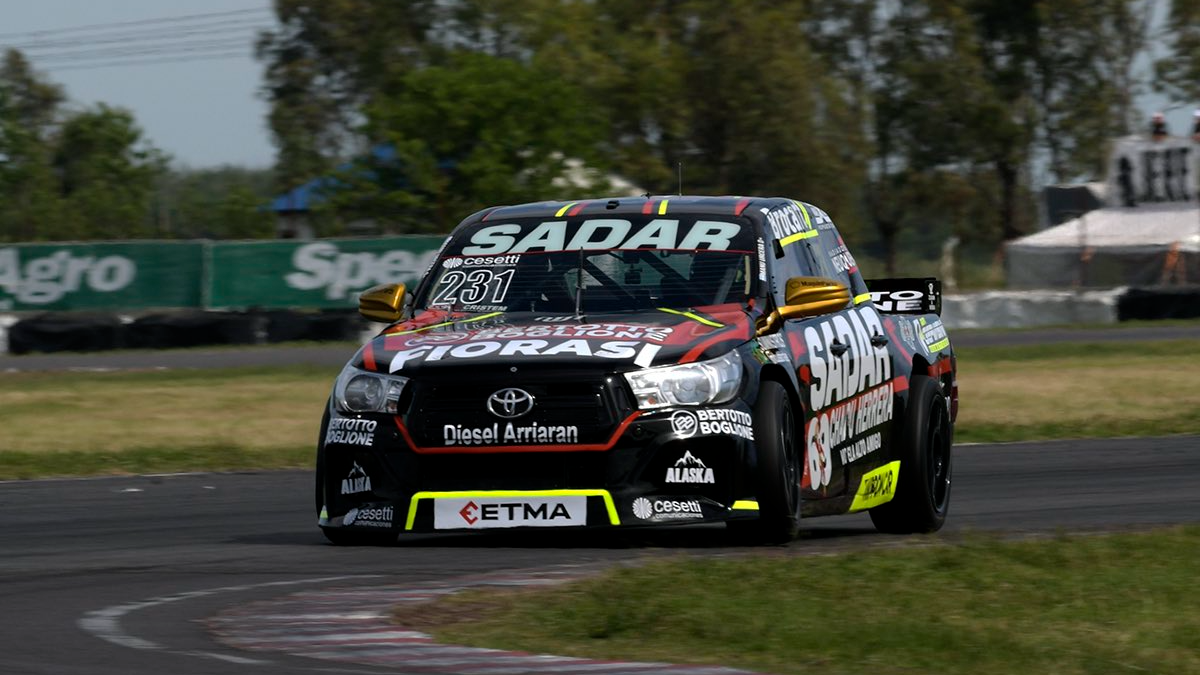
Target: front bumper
point(661, 468)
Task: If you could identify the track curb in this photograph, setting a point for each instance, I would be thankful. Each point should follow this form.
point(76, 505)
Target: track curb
point(355, 625)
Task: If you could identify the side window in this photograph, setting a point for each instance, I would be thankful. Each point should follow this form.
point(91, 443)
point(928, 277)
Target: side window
point(836, 253)
point(805, 233)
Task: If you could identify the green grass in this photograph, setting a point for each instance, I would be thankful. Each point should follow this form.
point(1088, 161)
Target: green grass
point(68, 423)
point(1087, 605)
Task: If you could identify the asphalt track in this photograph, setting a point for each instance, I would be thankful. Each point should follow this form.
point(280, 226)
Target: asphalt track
point(144, 559)
point(335, 355)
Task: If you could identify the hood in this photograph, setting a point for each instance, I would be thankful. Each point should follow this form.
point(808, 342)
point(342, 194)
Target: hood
point(436, 340)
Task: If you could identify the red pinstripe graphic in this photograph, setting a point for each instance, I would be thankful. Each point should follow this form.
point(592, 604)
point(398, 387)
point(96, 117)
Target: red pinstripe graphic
point(492, 449)
point(740, 206)
point(488, 215)
point(798, 347)
point(740, 331)
point(648, 207)
point(578, 207)
point(899, 384)
point(889, 325)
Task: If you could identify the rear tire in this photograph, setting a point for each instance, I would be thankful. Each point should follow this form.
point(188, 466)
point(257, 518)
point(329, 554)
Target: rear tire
point(923, 488)
point(779, 469)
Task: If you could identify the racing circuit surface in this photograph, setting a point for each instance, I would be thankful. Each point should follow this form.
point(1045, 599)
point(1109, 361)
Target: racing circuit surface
point(147, 558)
point(334, 356)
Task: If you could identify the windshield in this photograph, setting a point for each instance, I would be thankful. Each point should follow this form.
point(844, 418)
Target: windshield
point(593, 266)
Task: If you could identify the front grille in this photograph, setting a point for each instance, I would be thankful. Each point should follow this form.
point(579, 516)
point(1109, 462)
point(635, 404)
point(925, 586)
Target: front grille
point(513, 471)
point(595, 406)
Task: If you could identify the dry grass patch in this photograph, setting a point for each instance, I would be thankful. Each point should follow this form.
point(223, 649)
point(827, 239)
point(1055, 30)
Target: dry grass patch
point(1079, 390)
point(98, 412)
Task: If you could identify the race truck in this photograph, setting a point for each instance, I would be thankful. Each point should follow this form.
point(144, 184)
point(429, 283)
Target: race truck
point(642, 361)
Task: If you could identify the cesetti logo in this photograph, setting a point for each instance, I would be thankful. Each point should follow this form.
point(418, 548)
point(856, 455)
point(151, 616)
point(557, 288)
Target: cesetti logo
point(322, 265)
point(41, 281)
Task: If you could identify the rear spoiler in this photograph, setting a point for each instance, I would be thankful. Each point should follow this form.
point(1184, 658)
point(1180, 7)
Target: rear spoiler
point(906, 296)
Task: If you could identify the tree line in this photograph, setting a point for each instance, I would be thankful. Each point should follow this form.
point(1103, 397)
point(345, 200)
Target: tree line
point(904, 117)
point(910, 120)
point(82, 173)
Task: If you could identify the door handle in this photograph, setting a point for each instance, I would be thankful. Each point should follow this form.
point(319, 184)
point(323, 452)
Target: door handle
point(879, 340)
point(837, 348)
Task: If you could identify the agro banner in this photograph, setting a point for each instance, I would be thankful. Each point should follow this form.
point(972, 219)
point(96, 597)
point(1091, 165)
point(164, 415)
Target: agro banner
point(100, 276)
point(325, 273)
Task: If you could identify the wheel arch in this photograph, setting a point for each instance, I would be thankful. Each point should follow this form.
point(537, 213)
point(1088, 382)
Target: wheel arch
point(777, 373)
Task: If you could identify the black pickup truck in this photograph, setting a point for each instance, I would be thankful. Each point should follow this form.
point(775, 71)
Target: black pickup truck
point(642, 361)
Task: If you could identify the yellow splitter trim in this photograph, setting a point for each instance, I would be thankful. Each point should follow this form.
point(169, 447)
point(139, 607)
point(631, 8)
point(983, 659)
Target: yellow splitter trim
point(613, 519)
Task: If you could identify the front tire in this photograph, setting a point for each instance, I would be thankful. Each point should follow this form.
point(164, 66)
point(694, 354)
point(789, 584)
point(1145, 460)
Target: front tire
point(779, 467)
point(923, 488)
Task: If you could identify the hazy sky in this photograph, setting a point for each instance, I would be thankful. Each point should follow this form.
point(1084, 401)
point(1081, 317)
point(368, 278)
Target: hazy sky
point(204, 112)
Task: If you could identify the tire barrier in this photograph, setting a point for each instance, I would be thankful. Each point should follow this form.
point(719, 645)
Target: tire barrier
point(79, 332)
point(1162, 302)
point(52, 332)
point(192, 329)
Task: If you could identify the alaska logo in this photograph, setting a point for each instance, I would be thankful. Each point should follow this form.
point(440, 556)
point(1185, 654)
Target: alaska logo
point(358, 481)
point(689, 469)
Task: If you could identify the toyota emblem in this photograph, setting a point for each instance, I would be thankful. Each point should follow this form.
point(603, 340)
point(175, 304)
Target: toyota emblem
point(510, 403)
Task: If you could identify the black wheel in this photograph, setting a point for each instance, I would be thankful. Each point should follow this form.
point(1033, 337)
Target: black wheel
point(923, 488)
point(779, 468)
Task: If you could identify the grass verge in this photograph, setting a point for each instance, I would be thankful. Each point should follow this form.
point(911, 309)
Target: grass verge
point(180, 420)
point(159, 421)
point(1073, 390)
point(1102, 605)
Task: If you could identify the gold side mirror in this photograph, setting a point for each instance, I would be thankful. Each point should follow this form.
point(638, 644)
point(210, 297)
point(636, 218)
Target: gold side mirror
point(383, 303)
point(808, 296)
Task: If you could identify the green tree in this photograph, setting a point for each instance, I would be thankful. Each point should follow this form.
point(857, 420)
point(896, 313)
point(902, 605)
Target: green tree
point(1178, 73)
point(221, 203)
point(480, 130)
point(325, 62)
point(29, 107)
point(106, 173)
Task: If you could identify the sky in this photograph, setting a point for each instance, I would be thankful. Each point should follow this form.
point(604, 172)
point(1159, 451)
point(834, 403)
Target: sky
point(204, 112)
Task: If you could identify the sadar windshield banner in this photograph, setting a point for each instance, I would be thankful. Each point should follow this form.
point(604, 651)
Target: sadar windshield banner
point(130, 276)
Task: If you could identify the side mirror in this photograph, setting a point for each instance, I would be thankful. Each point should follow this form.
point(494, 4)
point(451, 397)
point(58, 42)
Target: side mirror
point(383, 303)
point(809, 296)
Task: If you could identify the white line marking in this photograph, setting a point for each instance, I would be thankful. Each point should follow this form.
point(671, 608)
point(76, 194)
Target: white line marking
point(106, 623)
point(228, 657)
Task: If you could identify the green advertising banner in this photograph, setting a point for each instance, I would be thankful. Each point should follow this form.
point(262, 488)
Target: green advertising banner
point(325, 273)
point(101, 276)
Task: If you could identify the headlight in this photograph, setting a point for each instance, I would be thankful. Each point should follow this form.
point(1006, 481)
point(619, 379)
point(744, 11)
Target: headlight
point(713, 381)
point(360, 391)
